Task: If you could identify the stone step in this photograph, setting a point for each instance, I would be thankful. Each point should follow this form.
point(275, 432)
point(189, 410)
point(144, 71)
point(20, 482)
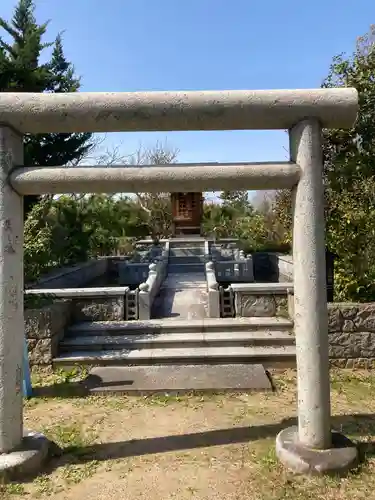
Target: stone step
point(183, 355)
point(187, 266)
point(191, 242)
point(171, 325)
point(186, 263)
point(179, 261)
point(186, 251)
point(185, 269)
point(172, 340)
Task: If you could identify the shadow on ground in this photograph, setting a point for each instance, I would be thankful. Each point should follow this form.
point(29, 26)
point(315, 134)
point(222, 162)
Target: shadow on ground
point(353, 425)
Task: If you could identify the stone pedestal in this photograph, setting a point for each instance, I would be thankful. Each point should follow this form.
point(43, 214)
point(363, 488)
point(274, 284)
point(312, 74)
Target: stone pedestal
point(341, 457)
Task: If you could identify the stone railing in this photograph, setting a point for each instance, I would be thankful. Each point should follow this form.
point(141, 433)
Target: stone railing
point(263, 299)
point(207, 251)
point(133, 273)
point(165, 252)
point(212, 291)
point(150, 288)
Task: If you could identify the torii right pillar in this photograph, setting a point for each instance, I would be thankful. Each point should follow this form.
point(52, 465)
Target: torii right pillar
point(311, 447)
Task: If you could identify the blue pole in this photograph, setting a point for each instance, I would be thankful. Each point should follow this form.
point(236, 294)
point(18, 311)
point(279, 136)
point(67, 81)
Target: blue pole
point(27, 387)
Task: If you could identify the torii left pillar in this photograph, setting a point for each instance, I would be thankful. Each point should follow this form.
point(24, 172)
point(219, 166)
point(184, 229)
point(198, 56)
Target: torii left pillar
point(20, 452)
point(11, 294)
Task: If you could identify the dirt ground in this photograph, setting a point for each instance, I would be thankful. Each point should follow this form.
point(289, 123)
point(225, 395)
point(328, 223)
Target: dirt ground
point(191, 447)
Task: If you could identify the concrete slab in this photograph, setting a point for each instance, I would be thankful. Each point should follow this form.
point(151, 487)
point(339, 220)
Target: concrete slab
point(177, 379)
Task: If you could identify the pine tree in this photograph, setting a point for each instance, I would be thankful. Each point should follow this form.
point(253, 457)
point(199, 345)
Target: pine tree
point(22, 71)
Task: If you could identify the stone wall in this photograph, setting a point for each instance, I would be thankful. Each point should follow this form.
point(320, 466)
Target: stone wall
point(46, 321)
point(45, 325)
point(130, 273)
point(352, 335)
point(73, 276)
point(44, 329)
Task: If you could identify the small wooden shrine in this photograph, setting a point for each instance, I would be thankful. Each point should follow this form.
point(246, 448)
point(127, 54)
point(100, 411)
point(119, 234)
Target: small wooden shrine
point(187, 212)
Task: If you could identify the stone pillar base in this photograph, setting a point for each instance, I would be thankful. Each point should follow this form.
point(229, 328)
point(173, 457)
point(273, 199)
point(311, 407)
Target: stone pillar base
point(28, 459)
point(338, 460)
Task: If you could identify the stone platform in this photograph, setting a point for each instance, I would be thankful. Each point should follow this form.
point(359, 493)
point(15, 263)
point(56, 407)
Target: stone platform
point(177, 379)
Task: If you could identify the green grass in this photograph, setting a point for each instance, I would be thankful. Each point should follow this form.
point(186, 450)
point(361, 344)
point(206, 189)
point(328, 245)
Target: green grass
point(80, 424)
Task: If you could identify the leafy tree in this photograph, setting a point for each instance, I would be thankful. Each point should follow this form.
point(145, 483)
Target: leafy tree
point(72, 229)
point(349, 177)
point(255, 229)
point(238, 200)
point(349, 171)
point(21, 70)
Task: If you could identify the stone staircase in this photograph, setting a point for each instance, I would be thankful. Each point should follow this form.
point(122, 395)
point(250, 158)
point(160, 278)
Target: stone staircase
point(266, 341)
point(186, 259)
point(182, 334)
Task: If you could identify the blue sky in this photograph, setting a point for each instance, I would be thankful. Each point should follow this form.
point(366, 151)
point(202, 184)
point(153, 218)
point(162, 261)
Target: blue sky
point(128, 45)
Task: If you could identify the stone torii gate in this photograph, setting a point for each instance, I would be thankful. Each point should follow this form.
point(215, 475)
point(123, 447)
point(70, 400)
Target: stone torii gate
point(310, 447)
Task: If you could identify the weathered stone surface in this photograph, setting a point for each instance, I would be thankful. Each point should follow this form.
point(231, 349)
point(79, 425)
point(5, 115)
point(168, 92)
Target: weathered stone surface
point(98, 309)
point(290, 299)
point(282, 306)
point(44, 329)
point(352, 345)
point(48, 321)
point(251, 305)
point(42, 351)
point(176, 379)
point(352, 335)
point(365, 318)
point(353, 363)
point(348, 311)
point(348, 326)
point(257, 305)
point(335, 319)
point(337, 362)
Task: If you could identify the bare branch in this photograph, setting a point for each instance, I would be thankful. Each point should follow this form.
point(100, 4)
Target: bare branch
point(156, 206)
